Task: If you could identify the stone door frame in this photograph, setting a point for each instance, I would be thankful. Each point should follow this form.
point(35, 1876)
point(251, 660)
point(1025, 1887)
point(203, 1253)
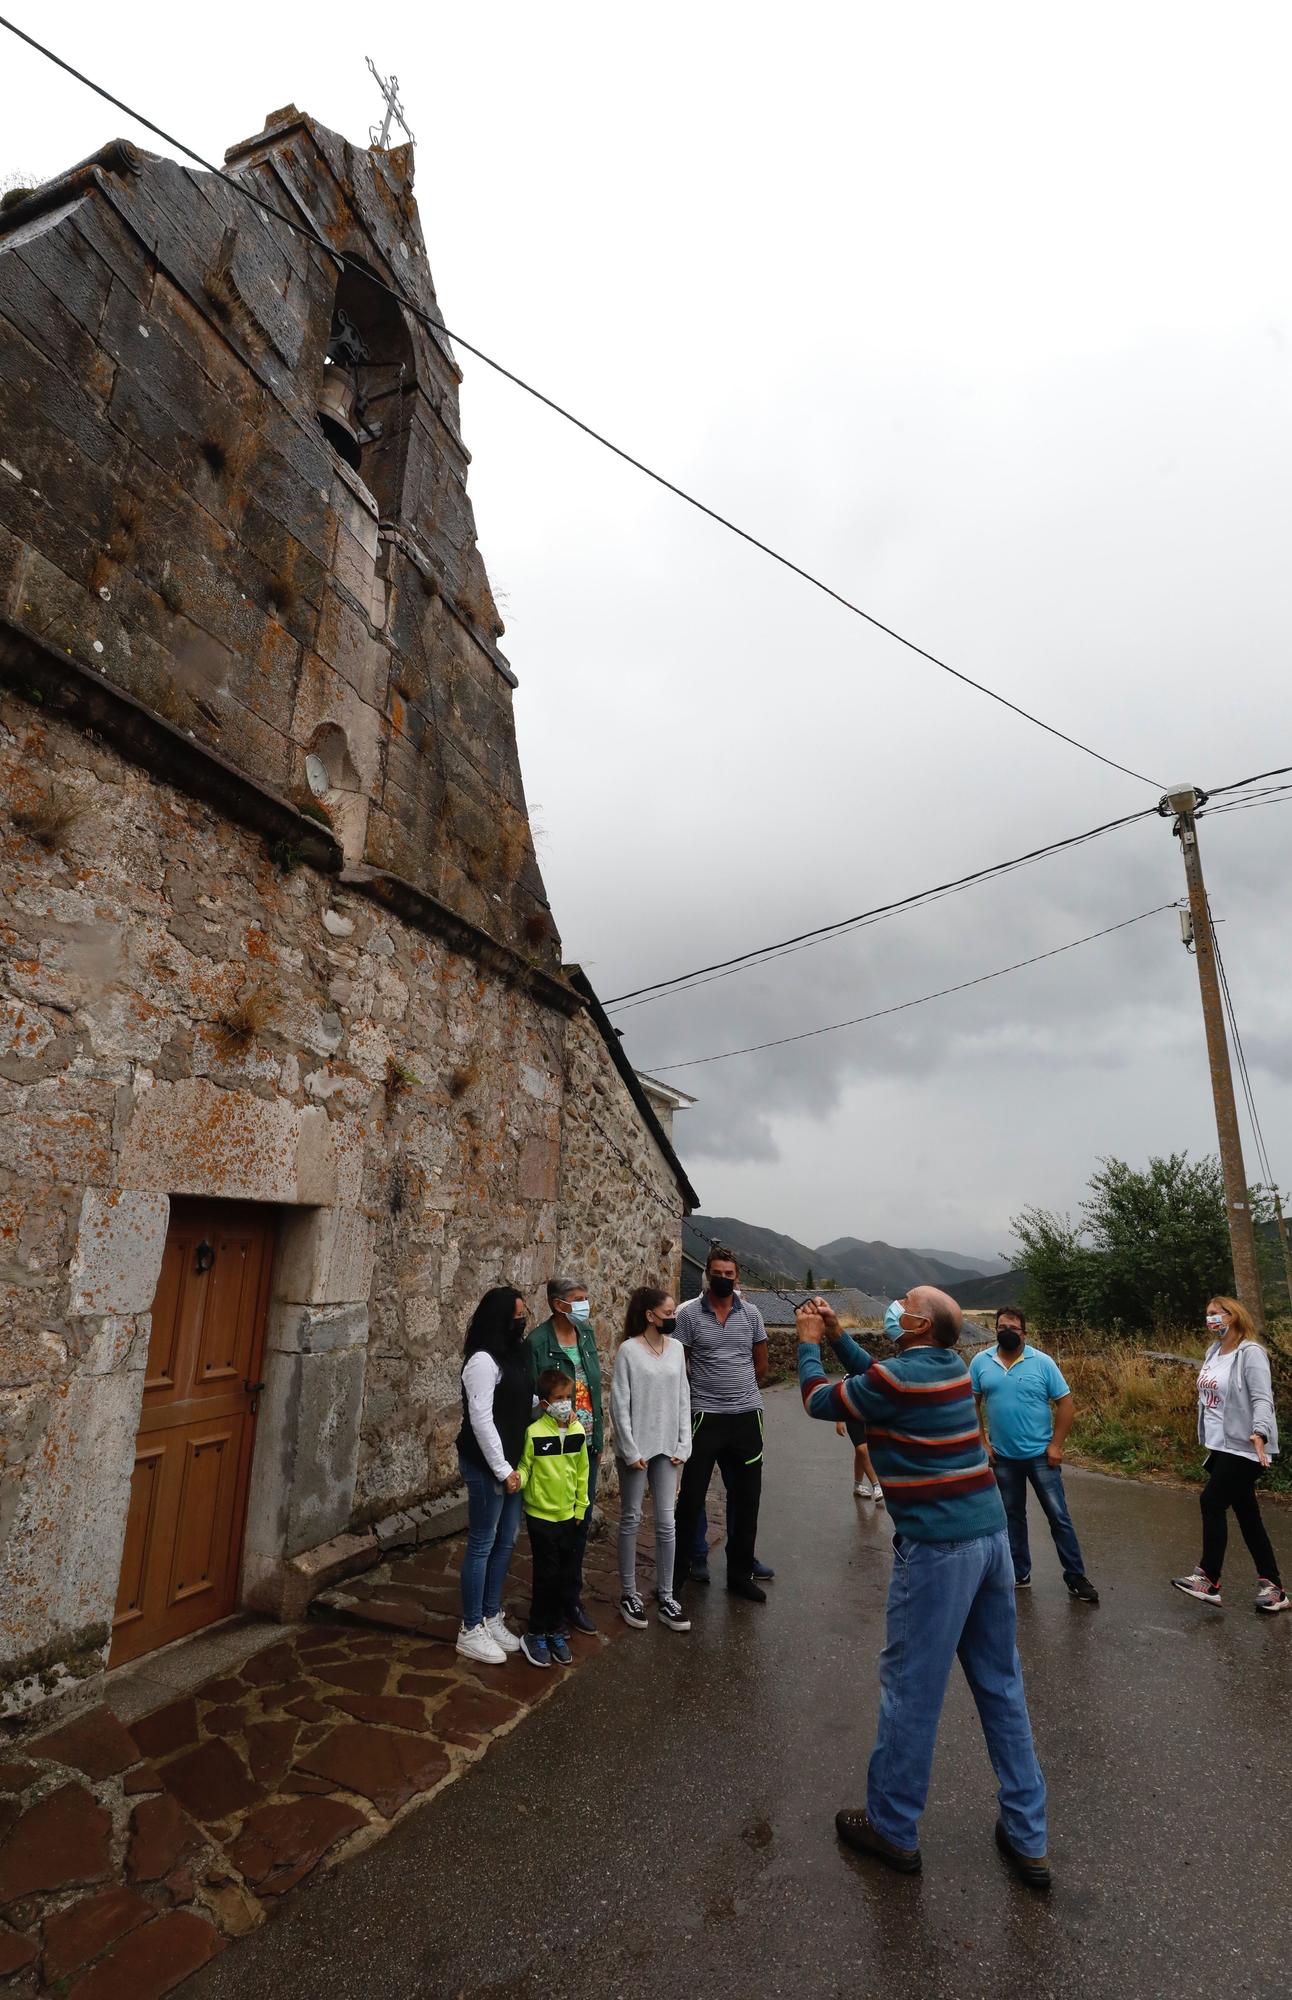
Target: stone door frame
point(193, 1139)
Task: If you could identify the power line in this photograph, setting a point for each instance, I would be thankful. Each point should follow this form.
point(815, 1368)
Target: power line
point(1240, 784)
point(704, 975)
point(1269, 795)
point(558, 409)
point(763, 954)
point(809, 1034)
point(1241, 1058)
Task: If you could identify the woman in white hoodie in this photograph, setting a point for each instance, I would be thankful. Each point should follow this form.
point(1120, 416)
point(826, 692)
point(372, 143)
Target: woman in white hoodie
point(650, 1406)
point(1237, 1424)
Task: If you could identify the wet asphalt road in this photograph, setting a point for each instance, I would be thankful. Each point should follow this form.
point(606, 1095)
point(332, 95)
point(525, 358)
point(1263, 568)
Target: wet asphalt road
point(665, 1825)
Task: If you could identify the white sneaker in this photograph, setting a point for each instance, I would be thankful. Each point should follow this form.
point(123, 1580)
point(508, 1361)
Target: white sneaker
point(878, 1495)
point(478, 1643)
point(498, 1631)
point(862, 1490)
point(671, 1613)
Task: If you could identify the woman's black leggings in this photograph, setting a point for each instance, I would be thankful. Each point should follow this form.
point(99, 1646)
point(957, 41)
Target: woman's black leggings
point(1231, 1482)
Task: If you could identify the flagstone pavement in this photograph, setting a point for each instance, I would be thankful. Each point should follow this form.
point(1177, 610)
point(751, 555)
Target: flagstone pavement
point(132, 1854)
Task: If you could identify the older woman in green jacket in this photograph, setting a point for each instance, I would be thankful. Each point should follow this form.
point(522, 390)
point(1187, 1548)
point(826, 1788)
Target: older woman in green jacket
point(567, 1341)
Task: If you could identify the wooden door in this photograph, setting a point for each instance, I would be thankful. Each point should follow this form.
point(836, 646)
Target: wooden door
point(188, 1493)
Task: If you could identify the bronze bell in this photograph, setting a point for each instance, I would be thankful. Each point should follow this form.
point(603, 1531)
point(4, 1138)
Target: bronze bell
point(338, 412)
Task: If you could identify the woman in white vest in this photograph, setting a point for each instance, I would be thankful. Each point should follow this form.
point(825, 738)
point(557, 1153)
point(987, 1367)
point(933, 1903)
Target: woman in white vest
point(1237, 1424)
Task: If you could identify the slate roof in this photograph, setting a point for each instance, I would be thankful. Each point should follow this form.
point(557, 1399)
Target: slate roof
point(847, 1301)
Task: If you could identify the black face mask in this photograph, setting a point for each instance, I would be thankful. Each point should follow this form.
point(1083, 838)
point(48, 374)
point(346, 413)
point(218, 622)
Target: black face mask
point(722, 1288)
point(1009, 1339)
point(666, 1326)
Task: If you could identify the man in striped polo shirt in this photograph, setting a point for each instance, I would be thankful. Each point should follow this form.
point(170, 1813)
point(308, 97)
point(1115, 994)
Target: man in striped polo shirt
point(952, 1587)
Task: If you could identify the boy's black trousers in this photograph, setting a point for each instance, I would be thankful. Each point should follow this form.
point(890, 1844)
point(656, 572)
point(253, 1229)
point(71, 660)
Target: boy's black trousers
point(554, 1546)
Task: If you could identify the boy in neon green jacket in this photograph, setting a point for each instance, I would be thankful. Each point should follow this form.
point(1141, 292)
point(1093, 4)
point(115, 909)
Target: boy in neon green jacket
point(553, 1473)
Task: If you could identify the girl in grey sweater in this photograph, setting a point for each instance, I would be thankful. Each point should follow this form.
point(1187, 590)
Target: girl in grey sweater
point(650, 1407)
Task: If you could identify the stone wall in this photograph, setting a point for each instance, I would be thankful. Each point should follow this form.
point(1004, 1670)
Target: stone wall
point(184, 1017)
point(620, 1215)
point(271, 925)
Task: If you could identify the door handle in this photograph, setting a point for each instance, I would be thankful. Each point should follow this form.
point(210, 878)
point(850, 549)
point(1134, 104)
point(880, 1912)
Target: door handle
point(253, 1390)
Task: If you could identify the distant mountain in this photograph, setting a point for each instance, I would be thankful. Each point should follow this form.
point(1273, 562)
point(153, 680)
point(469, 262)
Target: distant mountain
point(982, 1267)
point(884, 1269)
point(1002, 1288)
point(762, 1253)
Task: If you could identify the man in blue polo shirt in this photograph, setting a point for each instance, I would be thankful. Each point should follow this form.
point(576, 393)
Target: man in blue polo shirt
point(1014, 1385)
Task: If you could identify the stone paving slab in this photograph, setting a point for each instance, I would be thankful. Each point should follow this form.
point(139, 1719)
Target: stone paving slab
point(130, 1855)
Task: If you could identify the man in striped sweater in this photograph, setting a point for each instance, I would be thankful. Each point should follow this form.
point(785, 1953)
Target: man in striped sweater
point(952, 1587)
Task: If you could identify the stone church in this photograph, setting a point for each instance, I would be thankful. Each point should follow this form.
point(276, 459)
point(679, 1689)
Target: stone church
point(292, 1070)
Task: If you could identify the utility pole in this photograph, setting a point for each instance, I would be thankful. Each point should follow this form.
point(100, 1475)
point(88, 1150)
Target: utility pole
point(1184, 802)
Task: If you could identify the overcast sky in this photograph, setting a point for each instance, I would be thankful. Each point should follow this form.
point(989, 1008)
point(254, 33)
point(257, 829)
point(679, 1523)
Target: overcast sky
point(983, 314)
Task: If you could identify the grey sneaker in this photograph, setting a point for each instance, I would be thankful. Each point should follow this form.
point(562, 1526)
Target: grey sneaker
point(672, 1614)
point(1197, 1584)
point(1272, 1597)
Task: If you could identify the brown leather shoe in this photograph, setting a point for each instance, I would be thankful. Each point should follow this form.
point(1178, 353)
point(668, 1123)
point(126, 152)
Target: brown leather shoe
point(1034, 1869)
point(856, 1831)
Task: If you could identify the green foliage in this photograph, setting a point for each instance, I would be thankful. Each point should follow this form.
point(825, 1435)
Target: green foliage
point(1149, 1249)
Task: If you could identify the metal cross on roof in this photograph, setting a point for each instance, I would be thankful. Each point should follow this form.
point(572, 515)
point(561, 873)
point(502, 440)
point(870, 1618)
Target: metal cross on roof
point(389, 88)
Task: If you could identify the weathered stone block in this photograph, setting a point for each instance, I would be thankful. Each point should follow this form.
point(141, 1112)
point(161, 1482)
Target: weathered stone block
point(326, 1257)
point(539, 1164)
point(192, 1137)
point(118, 1251)
point(297, 1329)
point(307, 1450)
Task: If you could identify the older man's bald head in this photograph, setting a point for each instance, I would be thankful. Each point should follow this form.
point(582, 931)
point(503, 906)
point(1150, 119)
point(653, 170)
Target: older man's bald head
point(940, 1309)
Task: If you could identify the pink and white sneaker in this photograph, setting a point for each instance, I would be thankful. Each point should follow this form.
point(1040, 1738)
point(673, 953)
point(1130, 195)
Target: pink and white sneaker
point(1198, 1584)
point(1272, 1597)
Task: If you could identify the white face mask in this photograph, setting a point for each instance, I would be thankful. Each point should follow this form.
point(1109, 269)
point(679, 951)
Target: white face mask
point(1216, 1323)
point(562, 1410)
point(580, 1310)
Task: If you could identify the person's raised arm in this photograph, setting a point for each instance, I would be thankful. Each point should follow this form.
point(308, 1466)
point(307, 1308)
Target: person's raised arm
point(857, 1396)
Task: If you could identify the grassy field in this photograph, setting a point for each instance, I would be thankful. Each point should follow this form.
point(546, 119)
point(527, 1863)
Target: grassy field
point(1139, 1417)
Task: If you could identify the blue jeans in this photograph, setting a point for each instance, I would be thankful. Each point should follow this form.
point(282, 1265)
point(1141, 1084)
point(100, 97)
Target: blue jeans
point(949, 1600)
point(1012, 1476)
point(493, 1517)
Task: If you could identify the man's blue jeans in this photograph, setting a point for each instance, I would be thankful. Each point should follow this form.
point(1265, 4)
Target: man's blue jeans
point(1012, 1477)
point(493, 1517)
point(949, 1600)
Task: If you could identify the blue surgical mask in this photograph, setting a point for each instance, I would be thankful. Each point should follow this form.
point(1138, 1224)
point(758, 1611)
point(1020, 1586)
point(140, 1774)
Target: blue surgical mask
point(562, 1409)
point(893, 1320)
point(580, 1310)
